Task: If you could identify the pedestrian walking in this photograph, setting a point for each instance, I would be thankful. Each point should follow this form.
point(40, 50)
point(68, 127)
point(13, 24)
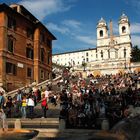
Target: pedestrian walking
point(23, 108)
point(31, 104)
point(44, 105)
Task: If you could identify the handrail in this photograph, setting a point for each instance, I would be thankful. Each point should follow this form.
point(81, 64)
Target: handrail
point(42, 84)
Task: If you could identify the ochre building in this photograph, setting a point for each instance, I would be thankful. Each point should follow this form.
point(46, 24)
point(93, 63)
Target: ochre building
point(25, 48)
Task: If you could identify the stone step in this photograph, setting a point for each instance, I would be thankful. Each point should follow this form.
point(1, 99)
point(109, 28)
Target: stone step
point(67, 134)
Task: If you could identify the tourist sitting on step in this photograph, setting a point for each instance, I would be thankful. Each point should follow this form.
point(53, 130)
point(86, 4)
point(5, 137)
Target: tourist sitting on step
point(72, 116)
point(53, 98)
point(81, 118)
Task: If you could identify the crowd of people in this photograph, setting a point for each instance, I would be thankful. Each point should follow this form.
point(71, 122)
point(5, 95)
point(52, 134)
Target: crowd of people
point(87, 101)
point(24, 102)
point(84, 102)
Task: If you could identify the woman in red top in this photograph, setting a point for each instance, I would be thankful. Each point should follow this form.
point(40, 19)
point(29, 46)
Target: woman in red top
point(44, 105)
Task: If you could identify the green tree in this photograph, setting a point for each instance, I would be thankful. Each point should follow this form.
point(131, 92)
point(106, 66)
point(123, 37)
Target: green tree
point(135, 54)
point(84, 64)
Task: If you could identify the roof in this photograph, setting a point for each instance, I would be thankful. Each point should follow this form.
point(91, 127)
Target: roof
point(102, 20)
point(123, 16)
point(75, 51)
point(39, 23)
point(34, 20)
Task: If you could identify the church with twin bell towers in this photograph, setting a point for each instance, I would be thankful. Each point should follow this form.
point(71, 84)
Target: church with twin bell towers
point(111, 55)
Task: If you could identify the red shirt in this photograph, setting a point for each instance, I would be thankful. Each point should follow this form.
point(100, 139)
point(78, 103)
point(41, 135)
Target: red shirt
point(44, 102)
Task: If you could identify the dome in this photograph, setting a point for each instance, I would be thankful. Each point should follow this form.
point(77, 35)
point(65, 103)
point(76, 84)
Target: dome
point(101, 22)
point(123, 17)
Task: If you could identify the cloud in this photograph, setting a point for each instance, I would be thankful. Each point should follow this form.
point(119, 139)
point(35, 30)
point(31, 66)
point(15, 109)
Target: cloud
point(86, 39)
point(72, 23)
point(136, 40)
point(43, 8)
point(77, 34)
point(135, 3)
point(55, 27)
point(115, 27)
point(135, 28)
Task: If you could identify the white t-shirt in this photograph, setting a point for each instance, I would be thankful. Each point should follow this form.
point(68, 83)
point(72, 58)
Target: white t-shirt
point(30, 102)
point(47, 94)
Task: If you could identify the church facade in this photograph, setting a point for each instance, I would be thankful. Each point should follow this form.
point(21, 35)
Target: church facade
point(111, 55)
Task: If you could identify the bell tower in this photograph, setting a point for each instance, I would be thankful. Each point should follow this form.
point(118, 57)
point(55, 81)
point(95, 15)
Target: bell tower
point(124, 26)
point(102, 30)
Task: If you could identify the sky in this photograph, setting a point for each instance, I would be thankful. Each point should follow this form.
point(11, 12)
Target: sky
point(73, 22)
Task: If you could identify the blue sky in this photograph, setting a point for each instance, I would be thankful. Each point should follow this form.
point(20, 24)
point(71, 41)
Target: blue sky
point(73, 22)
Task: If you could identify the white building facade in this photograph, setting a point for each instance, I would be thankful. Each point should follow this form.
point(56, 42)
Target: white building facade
point(111, 55)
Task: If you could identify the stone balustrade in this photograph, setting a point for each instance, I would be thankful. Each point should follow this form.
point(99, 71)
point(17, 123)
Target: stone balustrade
point(42, 84)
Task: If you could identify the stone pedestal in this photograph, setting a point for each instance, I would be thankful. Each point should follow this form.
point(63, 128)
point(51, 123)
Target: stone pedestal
point(105, 125)
point(62, 124)
point(17, 124)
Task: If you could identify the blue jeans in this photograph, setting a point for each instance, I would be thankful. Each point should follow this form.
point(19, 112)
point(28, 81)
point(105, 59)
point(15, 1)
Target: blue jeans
point(31, 111)
point(23, 111)
point(18, 106)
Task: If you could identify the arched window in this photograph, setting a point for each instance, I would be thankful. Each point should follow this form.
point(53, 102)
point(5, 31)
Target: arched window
point(101, 33)
point(123, 29)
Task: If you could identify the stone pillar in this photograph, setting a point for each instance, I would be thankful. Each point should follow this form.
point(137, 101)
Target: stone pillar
point(105, 124)
point(18, 124)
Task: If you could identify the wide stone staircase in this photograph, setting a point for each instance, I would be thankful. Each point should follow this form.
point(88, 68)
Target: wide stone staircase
point(52, 120)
